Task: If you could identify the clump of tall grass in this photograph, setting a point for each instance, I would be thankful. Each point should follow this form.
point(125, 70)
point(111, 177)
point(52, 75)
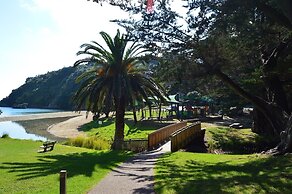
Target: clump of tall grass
point(5, 135)
point(92, 142)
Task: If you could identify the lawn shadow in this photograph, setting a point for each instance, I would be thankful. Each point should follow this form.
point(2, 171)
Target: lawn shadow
point(264, 176)
point(83, 163)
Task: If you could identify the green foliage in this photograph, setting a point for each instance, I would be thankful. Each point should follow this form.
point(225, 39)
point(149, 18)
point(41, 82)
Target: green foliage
point(183, 172)
point(117, 76)
point(229, 36)
point(117, 79)
point(5, 135)
point(51, 90)
point(24, 170)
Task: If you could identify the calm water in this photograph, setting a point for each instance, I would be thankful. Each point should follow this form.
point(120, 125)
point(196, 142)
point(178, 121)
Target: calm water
point(7, 111)
point(15, 130)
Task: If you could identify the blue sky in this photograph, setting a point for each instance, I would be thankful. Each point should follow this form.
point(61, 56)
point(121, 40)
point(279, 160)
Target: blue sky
point(38, 36)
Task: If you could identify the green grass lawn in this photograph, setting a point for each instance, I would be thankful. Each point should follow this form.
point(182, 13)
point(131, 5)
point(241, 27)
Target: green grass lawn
point(100, 133)
point(106, 129)
point(240, 141)
point(183, 172)
point(24, 170)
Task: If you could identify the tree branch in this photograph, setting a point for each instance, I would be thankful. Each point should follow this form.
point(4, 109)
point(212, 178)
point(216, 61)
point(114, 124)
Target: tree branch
point(274, 14)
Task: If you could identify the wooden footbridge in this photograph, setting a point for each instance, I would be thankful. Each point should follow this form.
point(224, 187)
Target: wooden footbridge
point(179, 134)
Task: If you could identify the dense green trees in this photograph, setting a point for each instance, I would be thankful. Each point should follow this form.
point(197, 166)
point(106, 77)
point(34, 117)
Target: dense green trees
point(117, 78)
point(242, 43)
point(51, 90)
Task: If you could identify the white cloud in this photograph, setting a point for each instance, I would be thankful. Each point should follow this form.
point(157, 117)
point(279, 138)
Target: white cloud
point(51, 46)
point(77, 22)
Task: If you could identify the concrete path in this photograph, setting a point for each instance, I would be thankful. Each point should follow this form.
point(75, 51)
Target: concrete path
point(134, 176)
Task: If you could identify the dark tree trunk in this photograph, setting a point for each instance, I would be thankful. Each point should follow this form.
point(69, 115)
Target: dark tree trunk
point(159, 113)
point(143, 116)
point(275, 91)
point(274, 94)
point(119, 124)
point(275, 115)
point(135, 115)
point(277, 96)
point(285, 145)
point(150, 111)
point(260, 124)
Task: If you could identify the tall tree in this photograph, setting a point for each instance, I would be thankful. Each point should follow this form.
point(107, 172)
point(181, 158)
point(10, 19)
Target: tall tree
point(225, 38)
point(116, 78)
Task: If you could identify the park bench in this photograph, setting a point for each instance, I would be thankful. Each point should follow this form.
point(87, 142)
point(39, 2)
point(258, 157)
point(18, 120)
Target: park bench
point(48, 146)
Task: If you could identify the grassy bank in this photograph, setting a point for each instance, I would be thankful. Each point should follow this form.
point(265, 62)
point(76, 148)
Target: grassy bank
point(24, 170)
point(183, 172)
point(236, 141)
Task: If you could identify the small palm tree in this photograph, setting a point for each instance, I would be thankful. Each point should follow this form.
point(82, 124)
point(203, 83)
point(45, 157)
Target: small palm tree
point(116, 78)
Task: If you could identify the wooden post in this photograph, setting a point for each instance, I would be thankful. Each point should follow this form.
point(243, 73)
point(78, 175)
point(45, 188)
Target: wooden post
point(63, 177)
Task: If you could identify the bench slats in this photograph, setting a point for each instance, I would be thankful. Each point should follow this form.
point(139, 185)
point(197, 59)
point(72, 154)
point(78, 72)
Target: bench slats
point(48, 146)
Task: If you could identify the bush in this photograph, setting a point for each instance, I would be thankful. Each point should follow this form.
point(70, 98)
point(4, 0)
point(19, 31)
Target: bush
point(93, 142)
point(5, 135)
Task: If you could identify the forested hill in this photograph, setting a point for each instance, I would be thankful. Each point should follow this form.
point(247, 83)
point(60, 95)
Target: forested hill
point(51, 90)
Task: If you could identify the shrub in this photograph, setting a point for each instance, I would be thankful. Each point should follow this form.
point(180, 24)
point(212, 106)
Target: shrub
point(5, 135)
point(93, 142)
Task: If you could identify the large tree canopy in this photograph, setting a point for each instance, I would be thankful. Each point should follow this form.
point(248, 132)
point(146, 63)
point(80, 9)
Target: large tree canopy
point(116, 78)
point(232, 40)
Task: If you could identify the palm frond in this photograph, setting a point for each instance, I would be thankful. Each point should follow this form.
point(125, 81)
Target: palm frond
point(118, 74)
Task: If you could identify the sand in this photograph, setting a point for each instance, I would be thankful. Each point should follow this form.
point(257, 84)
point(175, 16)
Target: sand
point(69, 128)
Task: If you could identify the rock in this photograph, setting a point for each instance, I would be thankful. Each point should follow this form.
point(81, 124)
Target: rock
point(236, 125)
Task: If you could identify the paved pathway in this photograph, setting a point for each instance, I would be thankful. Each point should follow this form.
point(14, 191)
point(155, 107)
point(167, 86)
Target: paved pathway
point(134, 176)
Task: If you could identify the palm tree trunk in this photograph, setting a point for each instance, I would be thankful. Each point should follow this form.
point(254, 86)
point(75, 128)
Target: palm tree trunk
point(119, 124)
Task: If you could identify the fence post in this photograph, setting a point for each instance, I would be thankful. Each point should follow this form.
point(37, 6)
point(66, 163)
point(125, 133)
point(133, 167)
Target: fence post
point(63, 177)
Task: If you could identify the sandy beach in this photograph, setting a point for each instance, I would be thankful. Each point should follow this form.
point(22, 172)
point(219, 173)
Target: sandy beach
point(69, 128)
point(65, 129)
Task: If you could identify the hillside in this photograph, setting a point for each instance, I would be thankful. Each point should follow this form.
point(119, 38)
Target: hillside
point(51, 90)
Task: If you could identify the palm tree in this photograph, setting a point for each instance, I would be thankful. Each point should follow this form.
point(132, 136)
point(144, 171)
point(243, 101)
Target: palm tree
point(116, 78)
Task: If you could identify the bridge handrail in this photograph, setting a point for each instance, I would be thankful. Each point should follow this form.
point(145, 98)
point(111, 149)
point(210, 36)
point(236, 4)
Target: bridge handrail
point(184, 136)
point(159, 136)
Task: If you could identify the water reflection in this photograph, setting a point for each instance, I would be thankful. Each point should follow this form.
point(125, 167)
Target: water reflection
point(16, 131)
point(8, 111)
